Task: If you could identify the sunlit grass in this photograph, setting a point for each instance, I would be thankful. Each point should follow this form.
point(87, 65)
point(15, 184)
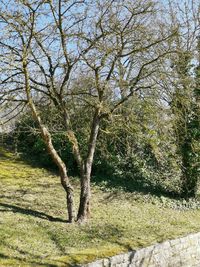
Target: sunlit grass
point(34, 232)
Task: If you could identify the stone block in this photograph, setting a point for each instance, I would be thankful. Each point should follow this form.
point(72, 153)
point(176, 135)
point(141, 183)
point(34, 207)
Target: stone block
point(116, 259)
point(98, 263)
point(106, 263)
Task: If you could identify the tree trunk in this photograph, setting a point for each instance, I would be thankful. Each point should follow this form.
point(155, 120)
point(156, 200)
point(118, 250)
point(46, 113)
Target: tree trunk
point(46, 136)
point(69, 198)
point(84, 204)
point(63, 172)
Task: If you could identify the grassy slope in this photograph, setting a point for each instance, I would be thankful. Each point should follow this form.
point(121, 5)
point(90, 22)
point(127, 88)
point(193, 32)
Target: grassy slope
point(33, 231)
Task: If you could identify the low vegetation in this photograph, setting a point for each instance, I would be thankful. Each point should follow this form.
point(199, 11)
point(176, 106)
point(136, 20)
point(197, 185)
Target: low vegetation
point(33, 225)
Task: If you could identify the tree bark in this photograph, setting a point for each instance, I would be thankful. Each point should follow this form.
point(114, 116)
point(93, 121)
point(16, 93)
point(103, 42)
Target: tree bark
point(63, 173)
point(46, 136)
point(85, 195)
point(60, 164)
point(84, 204)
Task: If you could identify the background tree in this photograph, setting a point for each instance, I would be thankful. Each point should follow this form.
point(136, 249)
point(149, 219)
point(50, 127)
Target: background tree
point(179, 84)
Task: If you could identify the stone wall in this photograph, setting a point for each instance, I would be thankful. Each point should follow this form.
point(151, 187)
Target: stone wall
point(181, 252)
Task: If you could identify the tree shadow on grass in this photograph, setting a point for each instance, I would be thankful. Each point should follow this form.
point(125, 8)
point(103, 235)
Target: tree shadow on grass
point(135, 184)
point(2, 256)
point(34, 213)
point(4, 155)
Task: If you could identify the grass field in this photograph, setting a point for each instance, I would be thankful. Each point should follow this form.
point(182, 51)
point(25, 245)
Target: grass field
point(33, 231)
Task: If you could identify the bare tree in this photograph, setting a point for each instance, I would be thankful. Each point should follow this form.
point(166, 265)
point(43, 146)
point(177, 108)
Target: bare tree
point(47, 45)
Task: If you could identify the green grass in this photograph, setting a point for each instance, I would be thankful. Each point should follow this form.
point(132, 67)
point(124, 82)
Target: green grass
point(33, 231)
